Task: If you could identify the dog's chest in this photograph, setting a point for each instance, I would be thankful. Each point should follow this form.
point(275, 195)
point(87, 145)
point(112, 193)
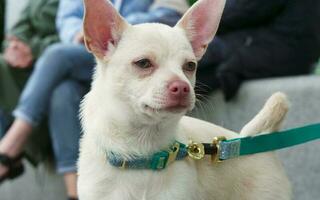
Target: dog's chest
point(179, 181)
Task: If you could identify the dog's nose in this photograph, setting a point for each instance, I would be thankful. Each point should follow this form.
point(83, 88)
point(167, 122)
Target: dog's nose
point(179, 89)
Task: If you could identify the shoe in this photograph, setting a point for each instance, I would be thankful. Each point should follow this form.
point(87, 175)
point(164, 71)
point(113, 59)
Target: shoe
point(14, 165)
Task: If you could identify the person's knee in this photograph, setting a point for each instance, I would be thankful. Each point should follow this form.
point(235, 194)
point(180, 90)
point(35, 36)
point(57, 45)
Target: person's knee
point(55, 51)
point(65, 50)
point(62, 57)
point(52, 59)
point(57, 56)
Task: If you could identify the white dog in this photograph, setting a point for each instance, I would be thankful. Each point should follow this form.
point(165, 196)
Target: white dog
point(142, 88)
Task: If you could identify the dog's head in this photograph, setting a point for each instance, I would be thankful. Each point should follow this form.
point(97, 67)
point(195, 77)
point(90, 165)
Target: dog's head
point(149, 68)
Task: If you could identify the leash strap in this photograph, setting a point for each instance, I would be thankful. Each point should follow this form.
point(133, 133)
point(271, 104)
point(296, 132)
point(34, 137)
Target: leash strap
point(268, 142)
point(220, 149)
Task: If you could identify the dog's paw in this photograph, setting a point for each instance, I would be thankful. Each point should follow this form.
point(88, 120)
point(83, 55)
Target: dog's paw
point(270, 117)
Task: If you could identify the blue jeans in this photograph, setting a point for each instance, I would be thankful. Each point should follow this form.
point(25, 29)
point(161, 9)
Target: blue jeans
point(64, 123)
point(55, 89)
point(59, 62)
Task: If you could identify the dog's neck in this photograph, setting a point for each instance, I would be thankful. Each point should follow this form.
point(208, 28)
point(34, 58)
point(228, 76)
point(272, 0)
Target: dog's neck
point(119, 131)
point(133, 139)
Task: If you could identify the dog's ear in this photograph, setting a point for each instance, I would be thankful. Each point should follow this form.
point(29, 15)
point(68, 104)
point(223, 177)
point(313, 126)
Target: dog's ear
point(102, 27)
point(201, 22)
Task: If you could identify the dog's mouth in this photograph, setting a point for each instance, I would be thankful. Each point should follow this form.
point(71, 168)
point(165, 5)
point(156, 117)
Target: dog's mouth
point(178, 109)
point(171, 109)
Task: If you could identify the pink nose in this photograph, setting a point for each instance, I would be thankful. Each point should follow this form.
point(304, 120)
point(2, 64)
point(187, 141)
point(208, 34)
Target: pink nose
point(179, 89)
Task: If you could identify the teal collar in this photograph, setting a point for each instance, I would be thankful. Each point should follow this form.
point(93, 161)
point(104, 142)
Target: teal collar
point(157, 161)
point(220, 149)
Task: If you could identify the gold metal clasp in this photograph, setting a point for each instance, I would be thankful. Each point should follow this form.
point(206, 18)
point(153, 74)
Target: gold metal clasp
point(216, 148)
point(173, 153)
point(195, 150)
point(124, 164)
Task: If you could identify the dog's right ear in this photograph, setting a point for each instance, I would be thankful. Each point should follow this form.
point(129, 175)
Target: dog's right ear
point(102, 27)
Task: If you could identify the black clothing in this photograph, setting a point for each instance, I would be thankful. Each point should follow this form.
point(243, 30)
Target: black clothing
point(258, 39)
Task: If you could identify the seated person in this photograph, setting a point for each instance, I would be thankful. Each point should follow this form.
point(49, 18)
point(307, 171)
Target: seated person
point(33, 32)
point(259, 39)
point(24, 43)
point(61, 77)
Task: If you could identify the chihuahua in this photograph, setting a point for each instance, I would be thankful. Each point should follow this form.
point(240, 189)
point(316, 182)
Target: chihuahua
point(142, 88)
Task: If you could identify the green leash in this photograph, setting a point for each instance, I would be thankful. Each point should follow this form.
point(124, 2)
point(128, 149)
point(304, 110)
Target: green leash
point(273, 141)
point(220, 149)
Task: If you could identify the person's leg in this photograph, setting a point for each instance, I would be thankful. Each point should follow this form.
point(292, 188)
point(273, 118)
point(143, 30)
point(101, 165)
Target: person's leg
point(9, 92)
point(8, 96)
point(70, 180)
point(65, 129)
point(12, 143)
point(57, 63)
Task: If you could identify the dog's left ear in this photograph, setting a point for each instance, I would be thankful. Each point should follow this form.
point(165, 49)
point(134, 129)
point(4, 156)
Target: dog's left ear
point(102, 27)
point(200, 23)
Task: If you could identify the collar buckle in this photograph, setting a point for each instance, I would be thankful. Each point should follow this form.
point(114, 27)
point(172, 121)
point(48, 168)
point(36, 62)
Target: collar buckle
point(124, 165)
point(159, 160)
point(162, 159)
point(173, 153)
point(215, 156)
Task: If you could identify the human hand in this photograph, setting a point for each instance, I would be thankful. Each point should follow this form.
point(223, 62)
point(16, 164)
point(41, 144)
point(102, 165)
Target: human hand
point(79, 38)
point(18, 54)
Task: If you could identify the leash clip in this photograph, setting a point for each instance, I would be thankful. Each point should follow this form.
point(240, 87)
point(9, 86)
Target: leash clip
point(215, 156)
point(195, 150)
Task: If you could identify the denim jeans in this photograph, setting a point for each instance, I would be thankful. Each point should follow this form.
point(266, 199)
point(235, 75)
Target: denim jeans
point(59, 62)
point(64, 123)
point(55, 88)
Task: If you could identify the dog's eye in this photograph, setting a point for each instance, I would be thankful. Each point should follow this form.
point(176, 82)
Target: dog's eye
point(190, 66)
point(143, 63)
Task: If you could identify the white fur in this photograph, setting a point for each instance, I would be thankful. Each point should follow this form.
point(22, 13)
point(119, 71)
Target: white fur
point(115, 118)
